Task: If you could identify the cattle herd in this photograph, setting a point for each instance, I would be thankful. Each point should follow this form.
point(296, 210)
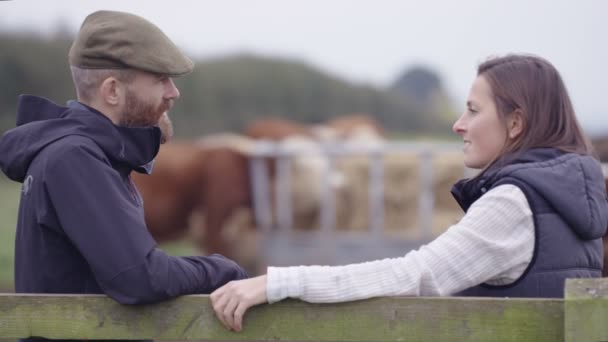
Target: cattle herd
point(198, 187)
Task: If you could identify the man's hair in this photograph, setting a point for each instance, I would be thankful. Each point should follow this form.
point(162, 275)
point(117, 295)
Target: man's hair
point(87, 81)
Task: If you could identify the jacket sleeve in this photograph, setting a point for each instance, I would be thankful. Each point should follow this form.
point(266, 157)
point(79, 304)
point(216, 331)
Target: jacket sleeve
point(102, 218)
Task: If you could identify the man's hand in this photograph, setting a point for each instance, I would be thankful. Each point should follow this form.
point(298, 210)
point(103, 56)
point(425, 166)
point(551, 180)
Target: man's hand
point(232, 300)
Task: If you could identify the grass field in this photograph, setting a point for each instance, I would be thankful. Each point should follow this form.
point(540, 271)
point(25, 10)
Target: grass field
point(9, 202)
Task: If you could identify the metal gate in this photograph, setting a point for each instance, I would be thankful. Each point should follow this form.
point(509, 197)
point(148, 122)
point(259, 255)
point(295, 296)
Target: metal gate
point(281, 245)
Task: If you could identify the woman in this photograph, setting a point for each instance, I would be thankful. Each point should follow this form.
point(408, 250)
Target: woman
point(535, 214)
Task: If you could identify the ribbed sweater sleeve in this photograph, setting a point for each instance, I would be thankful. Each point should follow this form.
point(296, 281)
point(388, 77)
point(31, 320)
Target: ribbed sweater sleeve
point(492, 243)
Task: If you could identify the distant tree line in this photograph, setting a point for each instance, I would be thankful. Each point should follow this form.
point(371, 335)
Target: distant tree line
point(226, 93)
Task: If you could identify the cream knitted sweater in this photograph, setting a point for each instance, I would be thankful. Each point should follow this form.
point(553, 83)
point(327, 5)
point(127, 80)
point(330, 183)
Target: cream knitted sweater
point(493, 243)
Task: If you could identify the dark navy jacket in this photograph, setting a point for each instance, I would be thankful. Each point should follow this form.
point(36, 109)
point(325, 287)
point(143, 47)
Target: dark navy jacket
point(81, 224)
point(567, 195)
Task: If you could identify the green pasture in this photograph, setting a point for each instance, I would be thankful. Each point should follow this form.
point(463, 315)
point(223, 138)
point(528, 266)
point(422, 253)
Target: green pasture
point(9, 202)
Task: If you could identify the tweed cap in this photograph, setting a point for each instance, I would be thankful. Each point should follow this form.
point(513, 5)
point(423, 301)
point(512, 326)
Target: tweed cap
point(118, 40)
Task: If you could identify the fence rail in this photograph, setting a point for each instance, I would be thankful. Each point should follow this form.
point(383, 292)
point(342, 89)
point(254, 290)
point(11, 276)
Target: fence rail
point(581, 316)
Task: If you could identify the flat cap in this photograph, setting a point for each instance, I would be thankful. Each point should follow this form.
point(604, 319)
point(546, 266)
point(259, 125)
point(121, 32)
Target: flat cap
point(118, 40)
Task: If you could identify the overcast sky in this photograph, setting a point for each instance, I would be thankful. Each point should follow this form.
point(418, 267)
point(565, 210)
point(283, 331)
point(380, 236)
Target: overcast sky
point(372, 41)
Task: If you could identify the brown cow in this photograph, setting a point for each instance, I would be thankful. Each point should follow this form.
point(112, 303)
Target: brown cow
point(341, 128)
point(355, 125)
point(172, 191)
point(189, 179)
point(308, 168)
point(276, 129)
point(211, 177)
point(359, 131)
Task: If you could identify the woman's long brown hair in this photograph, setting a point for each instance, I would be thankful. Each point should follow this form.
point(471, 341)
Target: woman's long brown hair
point(533, 87)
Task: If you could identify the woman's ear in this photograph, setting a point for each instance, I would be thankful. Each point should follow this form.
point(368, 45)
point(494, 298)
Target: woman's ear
point(515, 123)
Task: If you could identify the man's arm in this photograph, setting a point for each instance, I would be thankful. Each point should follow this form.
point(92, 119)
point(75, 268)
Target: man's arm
point(97, 212)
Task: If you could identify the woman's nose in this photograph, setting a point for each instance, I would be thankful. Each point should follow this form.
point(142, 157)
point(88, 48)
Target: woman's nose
point(458, 127)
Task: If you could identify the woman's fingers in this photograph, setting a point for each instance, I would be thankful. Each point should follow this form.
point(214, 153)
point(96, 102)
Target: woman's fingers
point(239, 313)
point(231, 301)
point(219, 301)
point(228, 312)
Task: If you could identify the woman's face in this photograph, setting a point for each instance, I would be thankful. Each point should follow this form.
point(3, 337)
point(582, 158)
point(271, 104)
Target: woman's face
point(483, 133)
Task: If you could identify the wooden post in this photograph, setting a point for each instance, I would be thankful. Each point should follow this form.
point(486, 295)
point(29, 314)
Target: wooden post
point(586, 310)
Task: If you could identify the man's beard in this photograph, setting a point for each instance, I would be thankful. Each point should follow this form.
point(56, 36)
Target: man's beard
point(166, 128)
point(138, 113)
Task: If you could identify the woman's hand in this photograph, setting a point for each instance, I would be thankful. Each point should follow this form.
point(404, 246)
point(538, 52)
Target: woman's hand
point(232, 300)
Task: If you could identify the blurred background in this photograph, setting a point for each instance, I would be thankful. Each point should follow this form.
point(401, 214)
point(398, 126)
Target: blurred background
point(404, 65)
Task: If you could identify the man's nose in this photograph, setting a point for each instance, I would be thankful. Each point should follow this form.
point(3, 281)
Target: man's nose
point(171, 91)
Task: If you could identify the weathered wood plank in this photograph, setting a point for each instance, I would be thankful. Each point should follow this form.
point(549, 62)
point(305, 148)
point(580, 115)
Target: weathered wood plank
point(191, 318)
point(586, 310)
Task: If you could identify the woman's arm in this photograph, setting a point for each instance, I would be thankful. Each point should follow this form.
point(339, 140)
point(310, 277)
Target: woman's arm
point(494, 241)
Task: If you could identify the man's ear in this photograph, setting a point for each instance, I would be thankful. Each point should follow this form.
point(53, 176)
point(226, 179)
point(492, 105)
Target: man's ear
point(515, 123)
point(111, 91)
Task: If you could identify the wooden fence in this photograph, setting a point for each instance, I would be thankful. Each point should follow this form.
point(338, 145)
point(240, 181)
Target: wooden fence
point(581, 316)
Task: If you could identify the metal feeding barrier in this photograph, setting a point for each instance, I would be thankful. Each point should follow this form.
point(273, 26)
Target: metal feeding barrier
point(281, 245)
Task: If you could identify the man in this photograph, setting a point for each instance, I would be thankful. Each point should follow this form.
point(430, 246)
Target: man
point(81, 226)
